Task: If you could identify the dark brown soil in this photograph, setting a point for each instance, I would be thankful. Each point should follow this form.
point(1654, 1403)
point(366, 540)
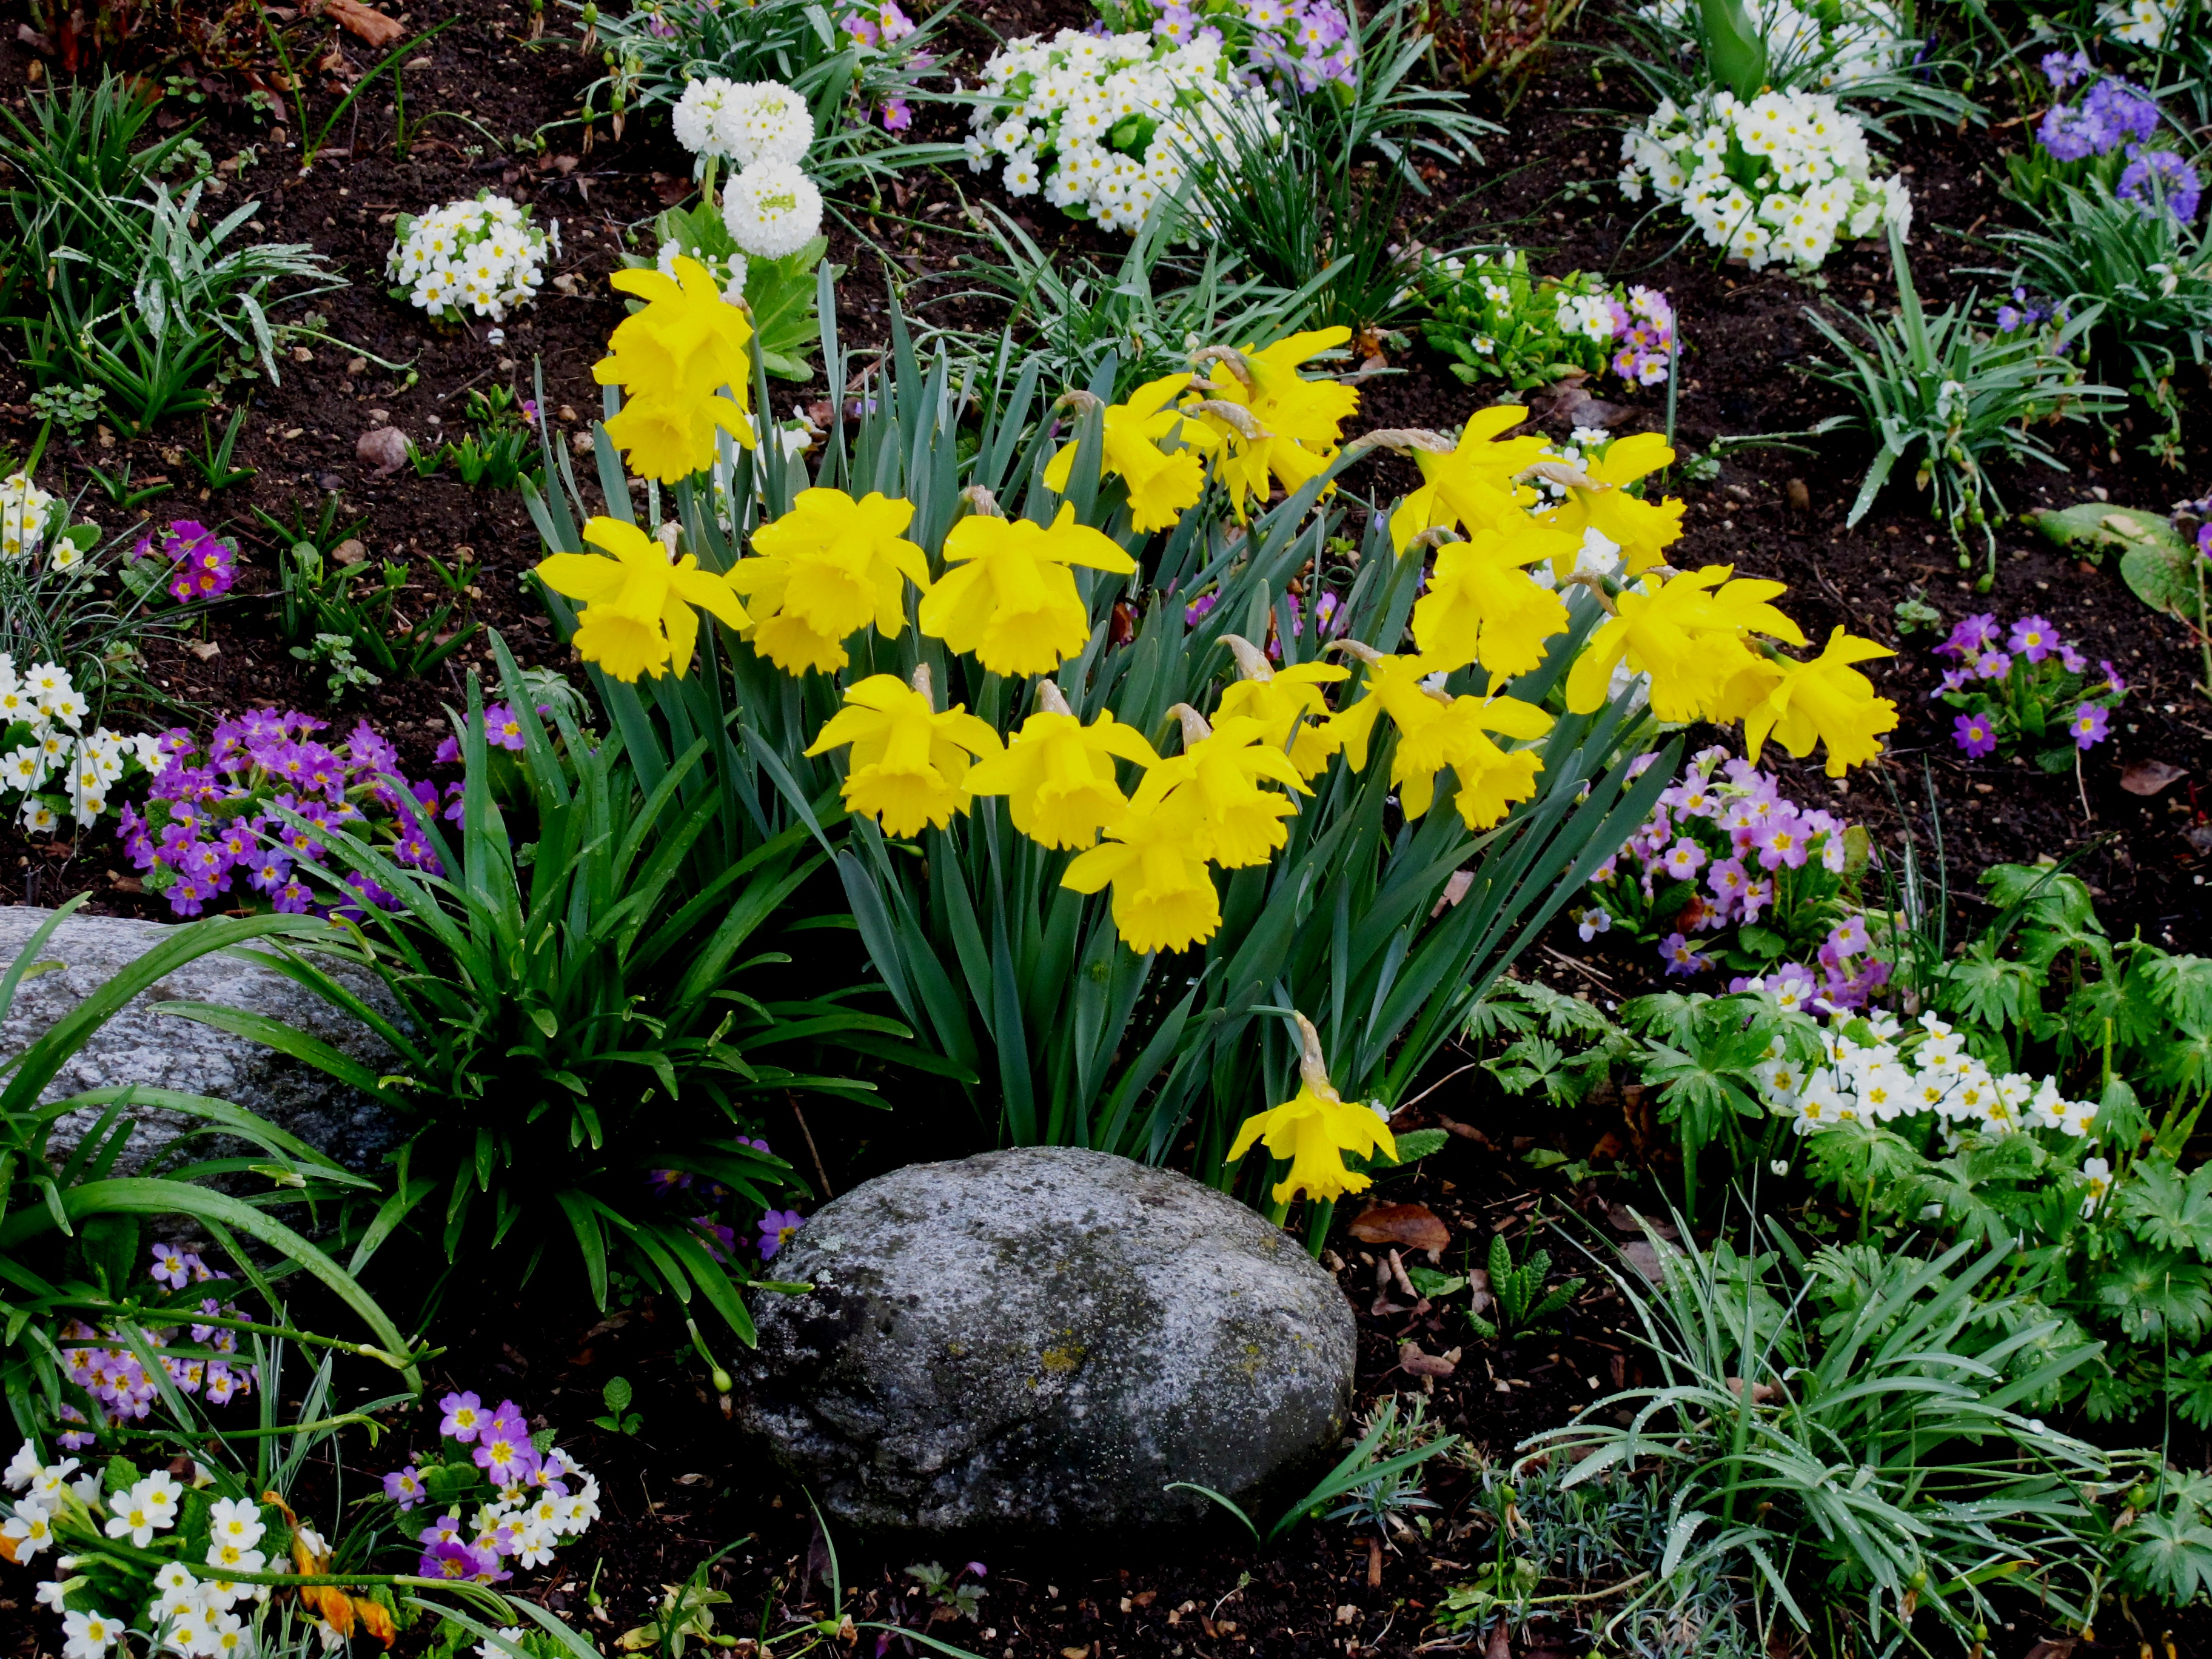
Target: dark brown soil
point(685, 1487)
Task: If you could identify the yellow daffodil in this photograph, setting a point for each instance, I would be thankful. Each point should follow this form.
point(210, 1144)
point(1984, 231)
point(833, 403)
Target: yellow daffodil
point(1269, 422)
point(1287, 702)
point(672, 361)
point(1491, 779)
point(637, 616)
point(1482, 607)
point(1393, 686)
point(1010, 598)
point(1472, 485)
point(825, 570)
point(908, 764)
point(1161, 485)
point(1220, 769)
point(1688, 634)
point(1057, 774)
point(1598, 499)
point(1825, 701)
point(1313, 1129)
point(1164, 894)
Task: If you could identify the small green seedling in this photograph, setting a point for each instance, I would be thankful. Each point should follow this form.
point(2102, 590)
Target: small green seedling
point(618, 1396)
point(1519, 1294)
point(964, 1601)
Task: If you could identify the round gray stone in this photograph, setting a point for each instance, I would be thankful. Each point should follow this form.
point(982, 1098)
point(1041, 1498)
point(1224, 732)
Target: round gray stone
point(142, 1045)
point(1043, 1338)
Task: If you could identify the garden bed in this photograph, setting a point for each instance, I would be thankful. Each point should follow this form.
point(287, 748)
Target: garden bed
point(682, 1486)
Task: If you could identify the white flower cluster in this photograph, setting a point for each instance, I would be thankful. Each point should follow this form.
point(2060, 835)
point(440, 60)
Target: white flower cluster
point(1587, 314)
point(192, 1608)
point(771, 208)
point(742, 121)
point(23, 510)
point(83, 767)
point(1861, 40)
point(1882, 1081)
point(484, 255)
point(1810, 175)
point(1121, 115)
point(2139, 22)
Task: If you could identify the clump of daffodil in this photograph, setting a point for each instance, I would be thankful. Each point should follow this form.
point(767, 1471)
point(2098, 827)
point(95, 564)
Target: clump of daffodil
point(1287, 702)
point(637, 616)
point(1161, 483)
point(1009, 598)
point(673, 360)
point(1597, 499)
point(1057, 774)
point(1220, 769)
point(1313, 1129)
point(1482, 607)
point(1269, 422)
point(1825, 701)
point(1437, 730)
point(908, 764)
point(824, 571)
point(1465, 486)
point(1690, 633)
point(1163, 893)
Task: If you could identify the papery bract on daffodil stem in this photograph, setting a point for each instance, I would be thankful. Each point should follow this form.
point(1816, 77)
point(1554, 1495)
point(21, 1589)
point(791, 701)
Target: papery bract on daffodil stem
point(1057, 774)
point(1597, 499)
point(1464, 486)
point(637, 616)
point(908, 764)
point(1269, 422)
point(1825, 701)
point(672, 360)
point(1313, 1129)
point(1688, 632)
point(1160, 485)
point(1009, 598)
point(824, 571)
point(1287, 702)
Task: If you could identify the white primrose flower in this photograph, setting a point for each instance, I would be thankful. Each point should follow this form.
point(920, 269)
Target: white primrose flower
point(485, 255)
point(28, 1531)
point(89, 1635)
point(772, 209)
point(765, 121)
point(23, 514)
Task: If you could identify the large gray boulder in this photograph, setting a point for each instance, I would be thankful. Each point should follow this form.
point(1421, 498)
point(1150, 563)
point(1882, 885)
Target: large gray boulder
point(140, 1045)
point(1043, 1338)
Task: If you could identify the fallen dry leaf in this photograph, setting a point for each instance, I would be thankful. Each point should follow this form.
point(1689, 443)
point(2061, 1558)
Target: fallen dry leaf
point(1760, 1392)
point(1414, 1225)
point(1414, 1363)
point(382, 449)
point(1500, 1645)
point(2053, 1647)
point(2149, 777)
point(1639, 1254)
point(206, 650)
point(365, 22)
point(349, 551)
